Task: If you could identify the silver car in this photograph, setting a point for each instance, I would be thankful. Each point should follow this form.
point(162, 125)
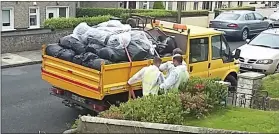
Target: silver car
point(240, 23)
point(274, 19)
point(261, 54)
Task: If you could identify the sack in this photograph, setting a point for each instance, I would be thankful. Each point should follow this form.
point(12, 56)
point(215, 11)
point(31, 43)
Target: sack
point(66, 54)
point(67, 41)
point(78, 59)
point(139, 37)
point(113, 54)
point(78, 47)
point(80, 29)
point(96, 64)
point(170, 45)
point(89, 56)
point(136, 51)
point(53, 50)
point(116, 30)
point(95, 36)
point(94, 48)
point(119, 41)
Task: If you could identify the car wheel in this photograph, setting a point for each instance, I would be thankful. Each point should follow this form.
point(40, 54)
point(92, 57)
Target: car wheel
point(233, 82)
point(270, 27)
point(277, 69)
point(244, 34)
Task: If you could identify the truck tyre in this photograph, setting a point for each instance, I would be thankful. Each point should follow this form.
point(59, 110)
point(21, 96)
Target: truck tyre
point(233, 82)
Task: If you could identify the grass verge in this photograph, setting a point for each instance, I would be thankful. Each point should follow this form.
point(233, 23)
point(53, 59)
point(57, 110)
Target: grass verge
point(240, 119)
point(271, 84)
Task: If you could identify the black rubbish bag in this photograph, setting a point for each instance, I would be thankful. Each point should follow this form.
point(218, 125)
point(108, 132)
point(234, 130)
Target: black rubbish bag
point(78, 59)
point(114, 55)
point(78, 47)
point(94, 48)
point(167, 45)
point(67, 41)
point(136, 51)
point(96, 63)
point(89, 56)
point(66, 54)
point(53, 50)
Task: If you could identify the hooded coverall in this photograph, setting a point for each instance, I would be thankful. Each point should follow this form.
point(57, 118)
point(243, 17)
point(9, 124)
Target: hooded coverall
point(151, 78)
point(177, 76)
point(168, 67)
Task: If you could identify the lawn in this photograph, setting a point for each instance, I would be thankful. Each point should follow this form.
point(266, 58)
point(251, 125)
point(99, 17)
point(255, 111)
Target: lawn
point(241, 119)
point(271, 84)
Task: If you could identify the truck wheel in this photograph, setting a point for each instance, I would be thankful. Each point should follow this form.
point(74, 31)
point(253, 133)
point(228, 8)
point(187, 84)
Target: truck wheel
point(233, 82)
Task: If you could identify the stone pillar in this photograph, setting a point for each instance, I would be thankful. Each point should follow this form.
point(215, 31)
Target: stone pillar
point(248, 83)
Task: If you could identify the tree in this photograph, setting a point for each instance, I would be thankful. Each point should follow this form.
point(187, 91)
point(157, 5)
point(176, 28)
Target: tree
point(158, 5)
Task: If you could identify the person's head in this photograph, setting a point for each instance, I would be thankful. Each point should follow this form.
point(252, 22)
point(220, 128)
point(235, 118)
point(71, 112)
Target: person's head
point(177, 60)
point(157, 61)
point(177, 51)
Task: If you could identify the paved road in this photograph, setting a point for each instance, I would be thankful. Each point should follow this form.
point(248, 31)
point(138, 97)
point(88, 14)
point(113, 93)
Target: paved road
point(27, 106)
point(235, 44)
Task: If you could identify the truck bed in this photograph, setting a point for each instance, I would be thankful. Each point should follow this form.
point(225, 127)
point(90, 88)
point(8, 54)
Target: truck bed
point(87, 82)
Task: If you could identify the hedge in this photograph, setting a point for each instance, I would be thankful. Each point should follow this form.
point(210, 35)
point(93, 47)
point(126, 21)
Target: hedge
point(218, 11)
point(158, 5)
point(65, 23)
point(119, 12)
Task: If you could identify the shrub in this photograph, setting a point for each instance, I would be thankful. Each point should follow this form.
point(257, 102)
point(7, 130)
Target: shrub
point(165, 108)
point(118, 12)
point(158, 5)
point(64, 23)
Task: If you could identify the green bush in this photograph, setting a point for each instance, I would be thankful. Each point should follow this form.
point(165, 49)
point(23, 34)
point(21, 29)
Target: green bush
point(158, 5)
point(64, 23)
point(118, 12)
point(196, 99)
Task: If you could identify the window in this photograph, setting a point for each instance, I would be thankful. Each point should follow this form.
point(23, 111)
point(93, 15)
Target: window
point(196, 5)
point(220, 49)
point(56, 12)
point(7, 19)
point(266, 39)
point(34, 18)
point(249, 16)
point(184, 5)
point(253, 2)
point(228, 16)
point(258, 16)
point(239, 3)
point(198, 50)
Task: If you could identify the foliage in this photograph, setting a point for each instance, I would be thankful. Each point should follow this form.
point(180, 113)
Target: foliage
point(158, 5)
point(271, 84)
point(64, 23)
point(119, 12)
point(165, 108)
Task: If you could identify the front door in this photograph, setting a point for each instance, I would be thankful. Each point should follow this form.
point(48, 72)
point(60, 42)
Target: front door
point(220, 57)
point(198, 57)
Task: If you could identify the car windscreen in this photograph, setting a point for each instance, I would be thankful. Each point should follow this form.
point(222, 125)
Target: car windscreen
point(228, 16)
point(266, 40)
point(274, 16)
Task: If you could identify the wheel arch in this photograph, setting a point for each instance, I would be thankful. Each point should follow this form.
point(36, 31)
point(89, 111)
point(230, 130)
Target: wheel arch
point(231, 72)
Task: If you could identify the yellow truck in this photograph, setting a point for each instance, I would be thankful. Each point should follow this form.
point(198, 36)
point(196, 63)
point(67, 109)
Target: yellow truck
point(207, 54)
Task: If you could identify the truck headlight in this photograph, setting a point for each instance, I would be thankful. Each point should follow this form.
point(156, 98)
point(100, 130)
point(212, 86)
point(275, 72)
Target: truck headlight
point(266, 61)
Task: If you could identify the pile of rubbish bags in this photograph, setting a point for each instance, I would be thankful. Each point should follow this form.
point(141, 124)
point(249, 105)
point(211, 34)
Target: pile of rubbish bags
point(109, 42)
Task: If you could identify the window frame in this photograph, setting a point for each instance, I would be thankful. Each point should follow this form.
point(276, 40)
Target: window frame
point(247, 15)
point(222, 40)
point(37, 15)
point(256, 16)
point(57, 11)
point(207, 55)
point(12, 24)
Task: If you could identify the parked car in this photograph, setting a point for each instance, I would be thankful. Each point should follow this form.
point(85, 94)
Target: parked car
point(261, 54)
point(240, 24)
point(274, 19)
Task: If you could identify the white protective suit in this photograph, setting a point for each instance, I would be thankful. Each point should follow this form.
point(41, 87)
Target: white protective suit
point(177, 76)
point(168, 67)
point(151, 78)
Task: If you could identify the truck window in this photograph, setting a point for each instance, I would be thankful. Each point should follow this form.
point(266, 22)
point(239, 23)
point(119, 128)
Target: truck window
point(220, 49)
point(198, 50)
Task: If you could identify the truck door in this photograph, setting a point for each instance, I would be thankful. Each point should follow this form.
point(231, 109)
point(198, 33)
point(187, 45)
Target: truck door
point(198, 57)
point(220, 59)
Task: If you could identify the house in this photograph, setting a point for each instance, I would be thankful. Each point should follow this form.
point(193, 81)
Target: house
point(172, 5)
point(31, 15)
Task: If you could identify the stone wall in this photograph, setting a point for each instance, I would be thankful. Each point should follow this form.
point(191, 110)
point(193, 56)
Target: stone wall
point(89, 124)
point(27, 40)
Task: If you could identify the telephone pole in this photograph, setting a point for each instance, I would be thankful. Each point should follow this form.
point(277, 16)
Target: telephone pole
point(179, 8)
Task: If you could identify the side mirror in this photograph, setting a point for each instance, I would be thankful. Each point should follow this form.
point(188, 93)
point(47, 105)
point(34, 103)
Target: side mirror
point(237, 54)
point(264, 18)
point(247, 40)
